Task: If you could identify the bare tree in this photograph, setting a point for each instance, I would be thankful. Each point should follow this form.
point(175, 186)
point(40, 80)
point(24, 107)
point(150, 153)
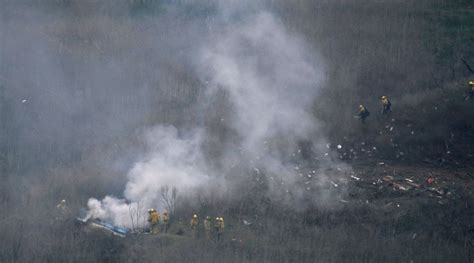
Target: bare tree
point(169, 195)
point(135, 212)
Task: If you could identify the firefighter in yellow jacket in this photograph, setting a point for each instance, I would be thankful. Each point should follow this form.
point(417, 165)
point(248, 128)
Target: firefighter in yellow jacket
point(470, 92)
point(208, 227)
point(220, 228)
point(363, 113)
point(61, 209)
point(194, 225)
point(165, 219)
point(154, 220)
point(386, 105)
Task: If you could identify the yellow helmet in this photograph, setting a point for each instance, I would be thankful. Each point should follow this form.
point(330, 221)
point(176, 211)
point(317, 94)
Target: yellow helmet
point(384, 97)
point(471, 82)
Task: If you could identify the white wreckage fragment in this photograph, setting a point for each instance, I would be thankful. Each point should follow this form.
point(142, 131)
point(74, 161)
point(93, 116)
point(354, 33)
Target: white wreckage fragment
point(355, 178)
point(97, 223)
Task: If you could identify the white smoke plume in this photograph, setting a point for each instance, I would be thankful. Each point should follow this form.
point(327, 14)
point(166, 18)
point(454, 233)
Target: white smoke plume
point(172, 160)
point(270, 78)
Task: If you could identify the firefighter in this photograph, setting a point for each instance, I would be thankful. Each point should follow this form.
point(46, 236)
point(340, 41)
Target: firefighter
point(220, 228)
point(154, 220)
point(62, 205)
point(386, 105)
point(363, 113)
point(208, 227)
point(194, 225)
point(216, 227)
point(62, 209)
point(165, 219)
point(470, 92)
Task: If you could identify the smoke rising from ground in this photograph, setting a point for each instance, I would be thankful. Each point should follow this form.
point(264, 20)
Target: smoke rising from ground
point(269, 79)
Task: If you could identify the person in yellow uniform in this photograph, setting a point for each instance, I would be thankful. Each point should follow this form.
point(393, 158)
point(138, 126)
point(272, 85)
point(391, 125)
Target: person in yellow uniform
point(363, 113)
point(194, 225)
point(470, 92)
point(216, 226)
point(386, 105)
point(153, 220)
point(61, 210)
point(208, 227)
point(165, 220)
point(220, 229)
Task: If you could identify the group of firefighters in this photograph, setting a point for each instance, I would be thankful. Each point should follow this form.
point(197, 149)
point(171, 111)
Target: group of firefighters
point(160, 223)
point(154, 220)
point(210, 227)
point(386, 109)
point(387, 105)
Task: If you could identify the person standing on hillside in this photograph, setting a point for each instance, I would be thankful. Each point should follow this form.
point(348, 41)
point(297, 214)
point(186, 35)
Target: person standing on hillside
point(194, 225)
point(62, 210)
point(220, 229)
point(470, 92)
point(208, 227)
point(165, 221)
point(153, 220)
point(363, 113)
point(386, 105)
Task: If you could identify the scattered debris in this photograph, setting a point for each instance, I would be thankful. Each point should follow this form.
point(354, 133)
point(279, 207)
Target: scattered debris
point(388, 178)
point(400, 187)
point(440, 192)
point(411, 183)
point(430, 180)
point(355, 178)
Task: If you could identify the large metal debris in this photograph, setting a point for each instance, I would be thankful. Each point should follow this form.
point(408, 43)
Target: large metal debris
point(97, 223)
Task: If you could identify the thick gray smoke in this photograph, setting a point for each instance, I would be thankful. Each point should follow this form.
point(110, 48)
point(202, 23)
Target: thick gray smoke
point(269, 79)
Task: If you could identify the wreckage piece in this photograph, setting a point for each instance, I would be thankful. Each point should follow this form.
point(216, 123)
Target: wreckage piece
point(412, 183)
point(400, 187)
point(116, 230)
point(440, 192)
point(97, 223)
